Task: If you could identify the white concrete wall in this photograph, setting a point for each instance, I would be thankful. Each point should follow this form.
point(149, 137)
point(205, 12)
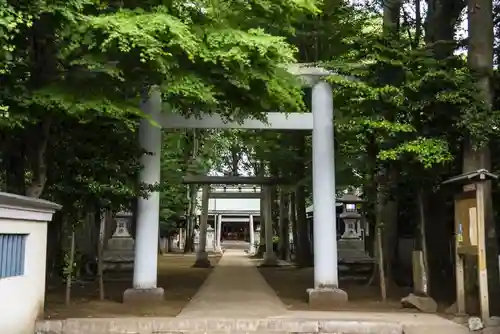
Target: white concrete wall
point(231, 204)
point(22, 297)
point(243, 205)
point(234, 204)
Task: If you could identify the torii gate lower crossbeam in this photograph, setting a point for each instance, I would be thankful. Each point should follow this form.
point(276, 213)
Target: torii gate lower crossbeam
point(326, 288)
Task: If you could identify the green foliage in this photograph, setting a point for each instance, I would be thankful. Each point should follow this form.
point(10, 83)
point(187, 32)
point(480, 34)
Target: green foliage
point(409, 105)
point(100, 172)
point(428, 152)
point(173, 194)
point(90, 64)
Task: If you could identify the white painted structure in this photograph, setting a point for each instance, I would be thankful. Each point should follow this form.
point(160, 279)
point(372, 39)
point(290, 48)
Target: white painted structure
point(22, 296)
point(148, 209)
point(241, 205)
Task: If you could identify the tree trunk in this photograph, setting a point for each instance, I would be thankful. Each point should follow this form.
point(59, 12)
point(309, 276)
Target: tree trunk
point(386, 208)
point(284, 226)
point(275, 215)
point(380, 263)
point(70, 267)
point(190, 221)
point(391, 17)
point(440, 22)
point(440, 243)
point(440, 25)
point(303, 246)
point(235, 159)
point(168, 244)
point(275, 206)
point(192, 194)
point(37, 152)
point(480, 60)
point(100, 252)
point(262, 236)
point(54, 243)
point(261, 171)
point(303, 251)
point(14, 164)
point(292, 216)
point(162, 247)
point(422, 239)
point(387, 219)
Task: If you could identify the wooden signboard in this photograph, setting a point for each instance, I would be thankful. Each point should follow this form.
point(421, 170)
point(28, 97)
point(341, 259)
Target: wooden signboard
point(466, 223)
point(470, 240)
point(470, 233)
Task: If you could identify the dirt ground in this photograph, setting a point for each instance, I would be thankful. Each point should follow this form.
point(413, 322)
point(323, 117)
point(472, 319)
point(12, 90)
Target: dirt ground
point(175, 274)
point(291, 283)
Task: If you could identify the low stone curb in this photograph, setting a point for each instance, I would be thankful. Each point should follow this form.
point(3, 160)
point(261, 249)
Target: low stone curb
point(219, 326)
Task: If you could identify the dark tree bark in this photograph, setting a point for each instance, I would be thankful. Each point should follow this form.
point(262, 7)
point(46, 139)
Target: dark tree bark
point(480, 60)
point(284, 225)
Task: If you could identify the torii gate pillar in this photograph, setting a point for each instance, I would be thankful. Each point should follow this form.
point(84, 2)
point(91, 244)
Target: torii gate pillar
point(148, 209)
point(326, 290)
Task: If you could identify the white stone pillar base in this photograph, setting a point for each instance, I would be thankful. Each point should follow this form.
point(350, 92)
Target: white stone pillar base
point(143, 296)
point(326, 297)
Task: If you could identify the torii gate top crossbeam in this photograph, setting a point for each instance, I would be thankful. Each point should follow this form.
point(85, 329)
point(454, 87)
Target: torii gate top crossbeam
point(207, 179)
point(307, 72)
point(233, 195)
point(275, 121)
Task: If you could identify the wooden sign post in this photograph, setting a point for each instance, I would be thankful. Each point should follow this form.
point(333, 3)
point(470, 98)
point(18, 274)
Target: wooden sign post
point(470, 235)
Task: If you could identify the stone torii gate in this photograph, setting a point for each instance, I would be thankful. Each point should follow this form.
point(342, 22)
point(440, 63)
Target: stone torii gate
point(320, 121)
point(234, 195)
point(265, 195)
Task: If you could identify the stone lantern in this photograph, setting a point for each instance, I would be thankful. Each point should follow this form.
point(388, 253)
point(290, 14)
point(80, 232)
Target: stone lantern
point(351, 245)
point(210, 245)
point(257, 238)
point(351, 217)
point(118, 254)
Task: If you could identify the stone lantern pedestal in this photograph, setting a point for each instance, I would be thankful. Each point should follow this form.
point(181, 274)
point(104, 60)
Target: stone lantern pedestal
point(118, 254)
point(210, 246)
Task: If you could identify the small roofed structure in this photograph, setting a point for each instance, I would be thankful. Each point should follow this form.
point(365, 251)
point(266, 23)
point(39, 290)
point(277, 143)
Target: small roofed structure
point(472, 177)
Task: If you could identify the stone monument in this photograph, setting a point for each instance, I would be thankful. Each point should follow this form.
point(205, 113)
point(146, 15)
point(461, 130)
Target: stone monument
point(196, 239)
point(182, 236)
point(354, 261)
point(118, 253)
point(257, 238)
point(210, 245)
point(351, 246)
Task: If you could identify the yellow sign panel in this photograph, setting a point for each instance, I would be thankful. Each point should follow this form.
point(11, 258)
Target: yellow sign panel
point(473, 226)
point(466, 223)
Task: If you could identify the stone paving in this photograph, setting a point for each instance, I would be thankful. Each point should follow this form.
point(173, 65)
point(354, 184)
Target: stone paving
point(234, 289)
point(411, 323)
point(235, 299)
